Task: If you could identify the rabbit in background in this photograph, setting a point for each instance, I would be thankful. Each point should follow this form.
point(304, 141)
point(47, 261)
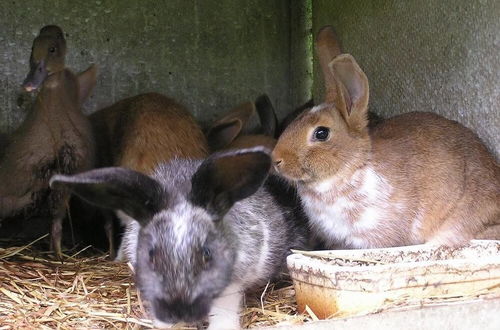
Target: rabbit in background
point(207, 230)
point(250, 124)
point(55, 137)
point(414, 178)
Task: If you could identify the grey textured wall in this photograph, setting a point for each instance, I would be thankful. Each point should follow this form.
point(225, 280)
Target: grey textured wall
point(213, 54)
point(432, 55)
point(208, 54)
point(301, 52)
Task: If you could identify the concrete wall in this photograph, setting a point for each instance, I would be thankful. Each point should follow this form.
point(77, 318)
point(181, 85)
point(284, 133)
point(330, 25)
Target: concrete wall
point(213, 54)
point(432, 55)
point(301, 52)
point(210, 55)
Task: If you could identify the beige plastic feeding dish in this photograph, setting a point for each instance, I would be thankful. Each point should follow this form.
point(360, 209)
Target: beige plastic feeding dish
point(340, 283)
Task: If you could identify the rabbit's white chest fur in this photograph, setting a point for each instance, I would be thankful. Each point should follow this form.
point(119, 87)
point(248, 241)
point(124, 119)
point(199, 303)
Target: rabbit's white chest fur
point(350, 213)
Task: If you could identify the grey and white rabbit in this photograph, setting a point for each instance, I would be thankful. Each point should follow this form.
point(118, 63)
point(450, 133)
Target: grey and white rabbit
point(206, 230)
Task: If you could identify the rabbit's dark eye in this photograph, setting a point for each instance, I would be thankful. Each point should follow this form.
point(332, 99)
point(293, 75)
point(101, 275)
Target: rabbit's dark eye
point(206, 255)
point(321, 133)
point(52, 49)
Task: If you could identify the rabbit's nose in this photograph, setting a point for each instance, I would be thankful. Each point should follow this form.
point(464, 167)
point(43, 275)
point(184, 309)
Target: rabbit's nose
point(277, 159)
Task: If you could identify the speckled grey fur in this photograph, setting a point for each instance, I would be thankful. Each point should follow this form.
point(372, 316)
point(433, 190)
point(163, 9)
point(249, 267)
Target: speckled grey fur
point(246, 245)
point(252, 234)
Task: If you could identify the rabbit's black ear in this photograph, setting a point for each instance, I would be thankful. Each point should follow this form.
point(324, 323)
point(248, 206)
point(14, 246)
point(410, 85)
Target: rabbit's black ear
point(225, 178)
point(267, 115)
point(136, 194)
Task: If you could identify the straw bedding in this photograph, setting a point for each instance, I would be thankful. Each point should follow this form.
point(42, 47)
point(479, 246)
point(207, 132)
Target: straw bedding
point(88, 291)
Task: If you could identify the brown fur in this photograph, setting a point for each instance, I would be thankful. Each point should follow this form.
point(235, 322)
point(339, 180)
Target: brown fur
point(327, 44)
point(250, 124)
point(250, 141)
point(143, 131)
point(444, 169)
point(302, 162)
point(440, 183)
point(50, 36)
point(55, 138)
point(47, 56)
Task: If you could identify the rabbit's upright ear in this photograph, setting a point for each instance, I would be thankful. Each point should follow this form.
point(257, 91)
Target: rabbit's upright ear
point(327, 48)
point(267, 115)
point(136, 194)
point(225, 178)
point(352, 91)
point(228, 128)
point(86, 82)
point(223, 133)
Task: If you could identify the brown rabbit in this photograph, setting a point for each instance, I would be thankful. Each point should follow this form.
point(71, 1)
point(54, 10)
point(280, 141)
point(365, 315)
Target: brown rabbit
point(145, 130)
point(415, 178)
point(141, 132)
point(56, 137)
point(248, 125)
